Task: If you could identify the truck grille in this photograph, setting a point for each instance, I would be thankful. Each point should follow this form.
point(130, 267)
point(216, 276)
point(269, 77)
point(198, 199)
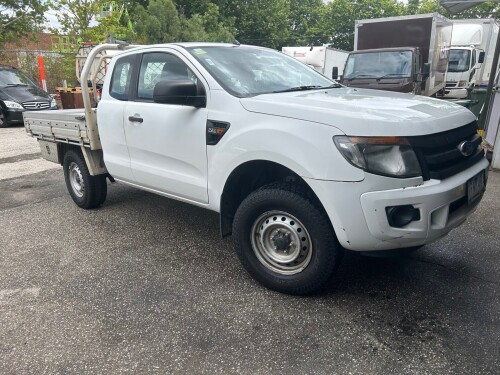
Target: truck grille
point(451, 84)
point(441, 155)
point(36, 105)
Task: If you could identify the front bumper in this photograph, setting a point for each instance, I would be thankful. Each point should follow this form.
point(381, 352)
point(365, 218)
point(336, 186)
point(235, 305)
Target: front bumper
point(13, 116)
point(359, 217)
point(456, 93)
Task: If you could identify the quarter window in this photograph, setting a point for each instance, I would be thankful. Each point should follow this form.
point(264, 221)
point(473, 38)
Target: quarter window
point(120, 79)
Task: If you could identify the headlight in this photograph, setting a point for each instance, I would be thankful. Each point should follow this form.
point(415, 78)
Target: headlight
point(10, 104)
point(386, 156)
point(53, 102)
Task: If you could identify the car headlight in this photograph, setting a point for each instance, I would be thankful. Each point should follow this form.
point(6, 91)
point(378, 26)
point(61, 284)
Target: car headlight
point(13, 105)
point(386, 156)
point(53, 102)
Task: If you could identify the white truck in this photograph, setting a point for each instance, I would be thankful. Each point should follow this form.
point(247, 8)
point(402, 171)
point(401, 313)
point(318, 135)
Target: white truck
point(326, 60)
point(299, 167)
point(471, 56)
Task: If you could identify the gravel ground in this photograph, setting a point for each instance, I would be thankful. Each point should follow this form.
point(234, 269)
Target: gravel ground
point(145, 285)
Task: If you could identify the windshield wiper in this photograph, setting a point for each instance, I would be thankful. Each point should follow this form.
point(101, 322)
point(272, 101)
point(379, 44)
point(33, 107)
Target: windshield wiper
point(309, 87)
point(390, 75)
point(358, 76)
point(16, 84)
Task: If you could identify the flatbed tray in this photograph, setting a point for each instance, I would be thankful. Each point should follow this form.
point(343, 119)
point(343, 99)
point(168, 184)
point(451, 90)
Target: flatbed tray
point(65, 125)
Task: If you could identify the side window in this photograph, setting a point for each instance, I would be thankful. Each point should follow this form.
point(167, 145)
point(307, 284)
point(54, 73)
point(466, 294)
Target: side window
point(120, 80)
point(156, 67)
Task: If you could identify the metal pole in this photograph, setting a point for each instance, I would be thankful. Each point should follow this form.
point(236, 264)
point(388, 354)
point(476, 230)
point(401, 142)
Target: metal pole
point(489, 90)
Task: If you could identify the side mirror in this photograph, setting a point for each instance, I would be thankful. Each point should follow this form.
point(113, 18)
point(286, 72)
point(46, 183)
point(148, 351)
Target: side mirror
point(480, 59)
point(335, 72)
point(183, 92)
point(426, 70)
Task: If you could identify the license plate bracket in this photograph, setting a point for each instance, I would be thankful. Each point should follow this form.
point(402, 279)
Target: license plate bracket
point(475, 187)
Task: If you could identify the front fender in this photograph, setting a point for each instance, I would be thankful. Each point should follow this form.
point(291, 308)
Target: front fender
point(305, 148)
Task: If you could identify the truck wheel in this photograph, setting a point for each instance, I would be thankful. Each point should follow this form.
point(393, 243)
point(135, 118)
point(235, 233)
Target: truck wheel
point(3, 122)
point(284, 240)
point(86, 191)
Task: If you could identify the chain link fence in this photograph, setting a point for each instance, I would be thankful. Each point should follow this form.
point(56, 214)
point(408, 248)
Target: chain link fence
point(59, 66)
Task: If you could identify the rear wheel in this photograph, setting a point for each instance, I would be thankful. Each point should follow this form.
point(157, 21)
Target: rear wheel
point(285, 240)
point(86, 191)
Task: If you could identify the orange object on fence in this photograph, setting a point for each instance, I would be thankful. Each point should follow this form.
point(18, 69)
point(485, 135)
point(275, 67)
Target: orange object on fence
point(41, 70)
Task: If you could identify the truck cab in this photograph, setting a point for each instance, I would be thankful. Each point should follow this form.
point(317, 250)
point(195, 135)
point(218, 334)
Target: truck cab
point(463, 64)
point(391, 69)
point(471, 56)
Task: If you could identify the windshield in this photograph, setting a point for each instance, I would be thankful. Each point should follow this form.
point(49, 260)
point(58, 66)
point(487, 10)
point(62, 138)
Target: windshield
point(10, 76)
point(459, 60)
point(248, 71)
point(379, 65)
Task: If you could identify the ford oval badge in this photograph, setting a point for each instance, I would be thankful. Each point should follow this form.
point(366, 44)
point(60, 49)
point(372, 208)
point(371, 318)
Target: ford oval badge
point(466, 148)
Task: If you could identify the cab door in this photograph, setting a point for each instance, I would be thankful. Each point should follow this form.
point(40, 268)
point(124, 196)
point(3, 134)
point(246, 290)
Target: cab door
point(111, 113)
point(166, 142)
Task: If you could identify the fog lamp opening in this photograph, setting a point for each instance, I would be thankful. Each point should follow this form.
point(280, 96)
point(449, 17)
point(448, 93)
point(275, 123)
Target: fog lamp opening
point(400, 216)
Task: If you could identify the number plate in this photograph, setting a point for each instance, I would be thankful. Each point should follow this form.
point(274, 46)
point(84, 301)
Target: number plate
point(475, 187)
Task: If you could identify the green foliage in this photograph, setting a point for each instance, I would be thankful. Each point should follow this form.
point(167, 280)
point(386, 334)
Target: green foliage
point(160, 22)
point(263, 22)
point(271, 23)
point(431, 6)
point(110, 25)
point(75, 15)
point(490, 9)
point(339, 17)
point(157, 23)
point(18, 18)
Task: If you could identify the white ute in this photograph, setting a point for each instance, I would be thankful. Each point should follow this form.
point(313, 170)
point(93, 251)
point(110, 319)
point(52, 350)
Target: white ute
point(298, 166)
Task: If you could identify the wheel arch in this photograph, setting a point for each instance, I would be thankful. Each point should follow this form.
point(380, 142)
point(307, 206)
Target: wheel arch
point(248, 177)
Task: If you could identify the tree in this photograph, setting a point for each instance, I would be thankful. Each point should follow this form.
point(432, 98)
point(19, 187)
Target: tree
point(339, 17)
point(489, 9)
point(75, 15)
point(110, 25)
point(189, 8)
point(158, 22)
point(18, 18)
point(261, 22)
point(431, 6)
point(304, 22)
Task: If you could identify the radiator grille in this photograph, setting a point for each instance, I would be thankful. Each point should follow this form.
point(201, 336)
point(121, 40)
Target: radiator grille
point(440, 155)
point(36, 105)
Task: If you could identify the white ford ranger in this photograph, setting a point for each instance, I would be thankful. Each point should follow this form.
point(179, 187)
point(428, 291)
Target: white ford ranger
point(298, 166)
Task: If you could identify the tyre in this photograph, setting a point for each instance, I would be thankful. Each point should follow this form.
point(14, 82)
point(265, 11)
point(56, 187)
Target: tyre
point(285, 240)
point(86, 191)
point(3, 122)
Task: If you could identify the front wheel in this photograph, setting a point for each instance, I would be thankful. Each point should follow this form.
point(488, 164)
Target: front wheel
point(86, 191)
point(3, 121)
point(285, 240)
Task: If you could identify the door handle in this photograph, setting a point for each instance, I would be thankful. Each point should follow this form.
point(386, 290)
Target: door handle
point(135, 118)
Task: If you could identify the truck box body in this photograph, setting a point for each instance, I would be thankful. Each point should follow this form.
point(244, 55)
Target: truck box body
point(322, 58)
point(430, 33)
